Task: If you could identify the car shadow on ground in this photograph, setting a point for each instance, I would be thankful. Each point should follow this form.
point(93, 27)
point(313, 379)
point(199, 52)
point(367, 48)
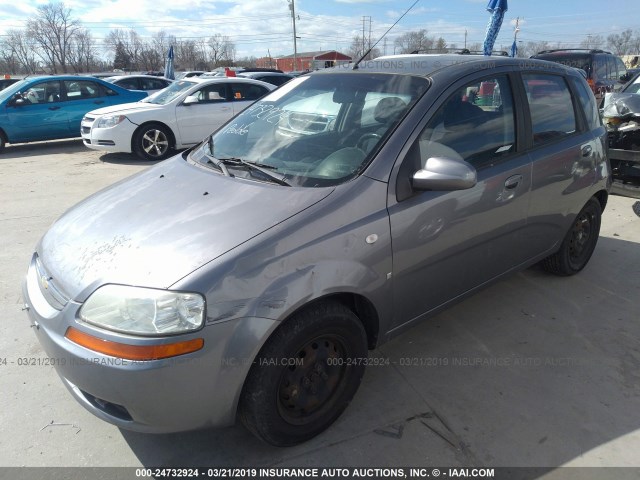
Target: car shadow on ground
point(533, 371)
point(21, 150)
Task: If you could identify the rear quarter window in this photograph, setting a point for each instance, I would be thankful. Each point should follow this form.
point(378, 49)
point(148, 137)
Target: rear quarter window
point(588, 103)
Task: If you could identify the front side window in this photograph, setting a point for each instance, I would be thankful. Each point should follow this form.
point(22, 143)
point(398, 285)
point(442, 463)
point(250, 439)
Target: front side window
point(314, 131)
point(551, 107)
point(43, 92)
point(475, 124)
point(213, 93)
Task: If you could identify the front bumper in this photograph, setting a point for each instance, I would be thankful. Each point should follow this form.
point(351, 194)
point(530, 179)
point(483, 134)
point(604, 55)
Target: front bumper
point(626, 172)
point(193, 391)
point(114, 139)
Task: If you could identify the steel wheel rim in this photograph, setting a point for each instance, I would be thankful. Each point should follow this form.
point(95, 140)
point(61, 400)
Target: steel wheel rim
point(155, 143)
point(307, 391)
point(580, 237)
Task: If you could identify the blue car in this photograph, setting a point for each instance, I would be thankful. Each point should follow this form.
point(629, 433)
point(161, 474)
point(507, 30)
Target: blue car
point(52, 107)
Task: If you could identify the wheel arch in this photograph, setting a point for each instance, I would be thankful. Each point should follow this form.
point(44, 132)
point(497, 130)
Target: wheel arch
point(172, 135)
point(602, 196)
point(360, 305)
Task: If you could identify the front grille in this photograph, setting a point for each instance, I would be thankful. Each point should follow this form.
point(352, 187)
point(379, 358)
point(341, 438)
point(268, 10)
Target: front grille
point(50, 291)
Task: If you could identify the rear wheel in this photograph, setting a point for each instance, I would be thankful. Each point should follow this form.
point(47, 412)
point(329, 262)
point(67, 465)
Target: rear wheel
point(305, 375)
point(3, 142)
point(579, 243)
point(152, 142)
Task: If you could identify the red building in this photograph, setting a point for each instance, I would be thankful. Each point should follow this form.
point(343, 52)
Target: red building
point(305, 61)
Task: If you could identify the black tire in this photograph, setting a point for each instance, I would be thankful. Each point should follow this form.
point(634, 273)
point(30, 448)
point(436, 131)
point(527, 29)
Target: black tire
point(3, 142)
point(286, 405)
point(152, 142)
point(579, 243)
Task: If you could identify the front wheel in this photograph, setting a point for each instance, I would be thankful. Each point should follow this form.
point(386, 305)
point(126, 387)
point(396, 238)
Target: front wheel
point(578, 244)
point(305, 375)
point(152, 142)
point(3, 142)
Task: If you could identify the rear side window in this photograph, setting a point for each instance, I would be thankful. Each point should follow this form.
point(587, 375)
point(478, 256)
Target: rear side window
point(82, 89)
point(588, 103)
point(551, 107)
point(247, 91)
point(600, 68)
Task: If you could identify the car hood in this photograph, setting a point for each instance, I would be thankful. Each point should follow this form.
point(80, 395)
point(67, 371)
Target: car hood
point(157, 227)
point(126, 108)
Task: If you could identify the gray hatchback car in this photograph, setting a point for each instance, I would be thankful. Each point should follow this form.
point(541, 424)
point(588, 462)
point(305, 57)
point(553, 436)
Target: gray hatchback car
point(249, 276)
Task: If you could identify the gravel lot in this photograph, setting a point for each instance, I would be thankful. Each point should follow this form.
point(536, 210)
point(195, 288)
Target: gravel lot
point(532, 371)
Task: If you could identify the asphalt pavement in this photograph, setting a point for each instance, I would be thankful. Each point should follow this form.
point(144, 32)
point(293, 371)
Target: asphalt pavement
point(533, 371)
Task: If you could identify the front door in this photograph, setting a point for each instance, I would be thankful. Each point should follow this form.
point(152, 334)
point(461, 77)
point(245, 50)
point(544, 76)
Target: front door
point(198, 120)
point(40, 116)
point(447, 243)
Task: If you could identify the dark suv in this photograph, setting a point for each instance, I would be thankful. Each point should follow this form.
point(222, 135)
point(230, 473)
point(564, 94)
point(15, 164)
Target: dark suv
point(605, 71)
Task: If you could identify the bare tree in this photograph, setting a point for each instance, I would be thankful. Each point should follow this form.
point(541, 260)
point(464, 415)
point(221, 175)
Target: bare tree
point(186, 54)
point(52, 30)
point(125, 43)
point(82, 52)
point(414, 41)
point(359, 47)
point(620, 43)
point(592, 42)
point(222, 50)
point(18, 53)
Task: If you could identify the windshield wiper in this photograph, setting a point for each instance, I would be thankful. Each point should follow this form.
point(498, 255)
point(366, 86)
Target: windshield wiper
point(260, 167)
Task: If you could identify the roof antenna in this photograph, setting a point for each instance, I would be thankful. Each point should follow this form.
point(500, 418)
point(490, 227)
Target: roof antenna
point(355, 65)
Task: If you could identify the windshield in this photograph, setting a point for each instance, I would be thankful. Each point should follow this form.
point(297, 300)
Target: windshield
point(633, 86)
point(570, 60)
point(11, 89)
point(169, 94)
point(317, 130)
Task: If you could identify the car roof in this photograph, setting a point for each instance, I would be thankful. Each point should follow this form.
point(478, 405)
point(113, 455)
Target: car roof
point(263, 74)
point(224, 80)
point(120, 77)
point(427, 64)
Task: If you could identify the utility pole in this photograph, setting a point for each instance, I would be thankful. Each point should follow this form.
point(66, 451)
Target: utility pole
point(465, 38)
point(366, 44)
point(292, 7)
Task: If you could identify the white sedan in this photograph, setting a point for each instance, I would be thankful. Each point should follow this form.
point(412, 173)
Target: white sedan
point(177, 117)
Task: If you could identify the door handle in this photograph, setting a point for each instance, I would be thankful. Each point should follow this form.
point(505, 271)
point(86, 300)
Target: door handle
point(98, 102)
point(512, 182)
point(54, 108)
point(587, 150)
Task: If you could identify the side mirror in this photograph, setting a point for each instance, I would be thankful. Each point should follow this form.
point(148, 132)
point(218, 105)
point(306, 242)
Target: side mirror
point(190, 100)
point(624, 78)
point(445, 174)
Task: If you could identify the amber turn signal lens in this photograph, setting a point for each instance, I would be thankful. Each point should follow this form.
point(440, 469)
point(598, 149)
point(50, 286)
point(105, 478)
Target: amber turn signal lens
point(133, 352)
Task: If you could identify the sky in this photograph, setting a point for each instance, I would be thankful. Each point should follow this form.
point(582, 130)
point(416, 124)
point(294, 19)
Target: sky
point(264, 27)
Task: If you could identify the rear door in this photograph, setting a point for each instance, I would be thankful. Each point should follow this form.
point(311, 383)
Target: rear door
point(82, 96)
point(563, 152)
point(447, 243)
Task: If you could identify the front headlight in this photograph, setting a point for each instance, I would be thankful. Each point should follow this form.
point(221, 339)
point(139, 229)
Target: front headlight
point(109, 121)
point(143, 311)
